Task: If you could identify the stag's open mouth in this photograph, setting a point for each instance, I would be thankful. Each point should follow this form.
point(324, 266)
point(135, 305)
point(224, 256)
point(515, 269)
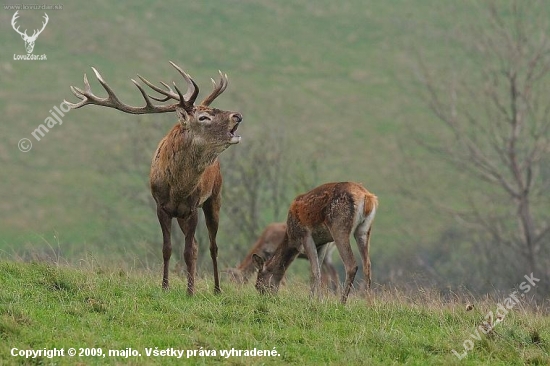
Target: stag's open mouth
point(234, 139)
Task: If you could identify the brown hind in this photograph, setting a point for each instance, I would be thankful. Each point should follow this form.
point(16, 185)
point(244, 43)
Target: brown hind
point(330, 212)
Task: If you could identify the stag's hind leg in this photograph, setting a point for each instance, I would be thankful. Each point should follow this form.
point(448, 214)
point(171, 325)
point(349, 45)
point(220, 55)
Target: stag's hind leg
point(211, 209)
point(165, 221)
point(188, 226)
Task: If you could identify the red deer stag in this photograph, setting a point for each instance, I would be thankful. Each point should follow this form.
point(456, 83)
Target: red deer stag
point(269, 240)
point(330, 212)
point(185, 171)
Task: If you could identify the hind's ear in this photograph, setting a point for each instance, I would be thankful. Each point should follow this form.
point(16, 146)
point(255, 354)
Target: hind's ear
point(258, 261)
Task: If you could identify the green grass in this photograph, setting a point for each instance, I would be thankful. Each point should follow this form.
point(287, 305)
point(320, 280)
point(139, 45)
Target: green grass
point(52, 306)
point(339, 80)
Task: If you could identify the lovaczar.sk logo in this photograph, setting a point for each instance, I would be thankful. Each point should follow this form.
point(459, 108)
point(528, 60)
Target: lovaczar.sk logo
point(29, 40)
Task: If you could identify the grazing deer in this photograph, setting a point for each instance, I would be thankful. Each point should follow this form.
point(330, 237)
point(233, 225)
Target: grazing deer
point(330, 212)
point(268, 242)
point(185, 171)
point(29, 40)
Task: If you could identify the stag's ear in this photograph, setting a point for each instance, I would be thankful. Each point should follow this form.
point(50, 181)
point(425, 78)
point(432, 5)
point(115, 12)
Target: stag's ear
point(258, 261)
point(183, 116)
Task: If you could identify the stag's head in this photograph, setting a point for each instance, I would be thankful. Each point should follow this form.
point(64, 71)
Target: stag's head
point(29, 40)
point(208, 126)
point(268, 280)
point(205, 125)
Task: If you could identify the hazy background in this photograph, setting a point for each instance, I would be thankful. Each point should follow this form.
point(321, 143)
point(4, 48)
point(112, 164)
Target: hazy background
point(329, 91)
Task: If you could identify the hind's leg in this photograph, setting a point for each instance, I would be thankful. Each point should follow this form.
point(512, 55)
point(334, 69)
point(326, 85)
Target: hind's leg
point(362, 237)
point(311, 252)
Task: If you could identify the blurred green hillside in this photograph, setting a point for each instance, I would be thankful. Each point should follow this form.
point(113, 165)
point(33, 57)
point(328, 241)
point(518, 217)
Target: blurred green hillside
point(336, 82)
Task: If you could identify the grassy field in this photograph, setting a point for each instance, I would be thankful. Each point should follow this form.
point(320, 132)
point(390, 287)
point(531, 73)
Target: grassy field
point(338, 80)
point(338, 84)
point(46, 306)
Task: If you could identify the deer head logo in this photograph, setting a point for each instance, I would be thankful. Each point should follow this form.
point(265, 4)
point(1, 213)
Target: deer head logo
point(29, 40)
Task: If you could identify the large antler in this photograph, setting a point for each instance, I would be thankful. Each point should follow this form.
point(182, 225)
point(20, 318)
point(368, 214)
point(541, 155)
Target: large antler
point(185, 101)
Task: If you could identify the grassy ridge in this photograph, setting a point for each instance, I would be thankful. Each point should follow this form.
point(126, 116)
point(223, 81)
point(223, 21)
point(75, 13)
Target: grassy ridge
point(47, 306)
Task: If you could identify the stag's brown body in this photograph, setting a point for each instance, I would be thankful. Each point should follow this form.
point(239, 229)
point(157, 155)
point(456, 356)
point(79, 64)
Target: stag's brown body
point(185, 175)
point(185, 171)
point(272, 236)
point(330, 212)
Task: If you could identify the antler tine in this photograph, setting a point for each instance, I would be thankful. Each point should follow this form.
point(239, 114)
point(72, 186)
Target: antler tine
point(217, 89)
point(169, 93)
point(163, 99)
point(179, 92)
point(143, 93)
point(192, 89)
point(80, 94)
point(107, 88)
point(88, 89)
point(166, 98)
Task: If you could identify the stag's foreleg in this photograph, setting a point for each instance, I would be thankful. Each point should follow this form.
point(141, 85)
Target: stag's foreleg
point(211, 209)
point(165, 221)
point(190, 251)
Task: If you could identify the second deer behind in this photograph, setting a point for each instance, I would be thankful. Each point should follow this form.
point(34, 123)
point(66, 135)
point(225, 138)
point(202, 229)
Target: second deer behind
point(272, 236)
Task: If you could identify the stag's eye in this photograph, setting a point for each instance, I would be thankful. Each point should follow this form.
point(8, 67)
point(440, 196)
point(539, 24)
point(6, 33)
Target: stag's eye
point(204, 118)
